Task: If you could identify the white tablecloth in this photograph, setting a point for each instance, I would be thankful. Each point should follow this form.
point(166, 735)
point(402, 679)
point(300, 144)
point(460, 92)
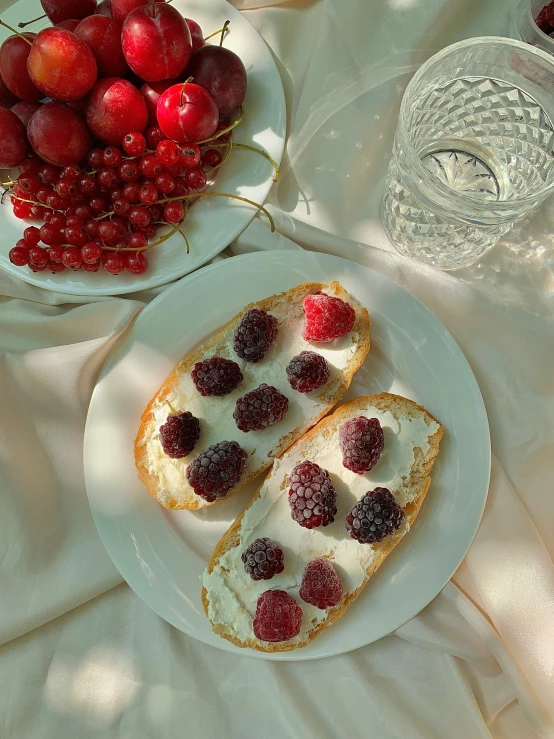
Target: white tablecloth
point(83, 657)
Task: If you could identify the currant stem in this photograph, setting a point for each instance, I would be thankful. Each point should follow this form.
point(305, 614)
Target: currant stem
point(28, 23)
point(16, 32)
point(224, 130)
point(200, 195)
point(223, 30)
point(163, 238)
point(258, 151)
point(189, 79)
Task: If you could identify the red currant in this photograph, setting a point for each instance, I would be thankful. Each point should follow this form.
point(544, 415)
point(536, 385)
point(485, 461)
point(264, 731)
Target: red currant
point(75, 236)
point(71, 172)
point(134, 144)
point(55, 267)
point(29, 183)
point(58, 220)
point(19, 255)
point(195, 178)
point(175, 169)
point(91, 253)
point(88, 185)
point(137, 241)
point(36, 268)
point(154, 136)
point(211, 158)
point(148, 194)
point(168, 152)
point(66, 188)
point(95, 158)
point(56, 201)
point(181, 188)
point(55, 253)
point(50, 235)
point(122, 224)
point(108, 232)
point(116, 194)
point(112, 157)
point(91, 228)
point(91, 267)
point(113, 262)
point(166, 183)
point(71, 257)
point(149, 166)
point(190, 156)
point(22, 210)
point(75, 222)
point(38, 257)
point(49, 174)
point(140, 216)
point(108, 178)
point(137, 263)
point(129, 171)
point(121, 206)
point(98, 205)
point(43, 193)
point(83, 212)
point(174, 212)
point(131, 192)
point(37, 213)
point(155, 212)
point(31, 235)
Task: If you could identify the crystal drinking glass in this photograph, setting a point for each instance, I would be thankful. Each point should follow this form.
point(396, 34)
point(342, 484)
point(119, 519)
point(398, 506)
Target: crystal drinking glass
point(473, 151)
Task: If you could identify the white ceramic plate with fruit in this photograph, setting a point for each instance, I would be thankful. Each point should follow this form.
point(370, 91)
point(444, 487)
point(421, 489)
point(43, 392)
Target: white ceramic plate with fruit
point(94, 109)
point(162, 553)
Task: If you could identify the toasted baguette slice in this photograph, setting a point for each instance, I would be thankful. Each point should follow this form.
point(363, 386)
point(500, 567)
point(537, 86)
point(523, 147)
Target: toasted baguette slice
point(165, 478)
point(412, 438)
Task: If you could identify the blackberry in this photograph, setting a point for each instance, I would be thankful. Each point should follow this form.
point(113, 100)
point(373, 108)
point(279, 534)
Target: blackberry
point(179, 434)
point(216, 376)
point(263, 559)
point(307, 371)
point(254, 335)
point(216, 470)
point(312, 497)
point(374, 517)
point(361, 441)
point(260, 408)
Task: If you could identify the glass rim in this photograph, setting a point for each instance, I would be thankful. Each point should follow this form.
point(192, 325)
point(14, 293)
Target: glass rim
point(526, 5)
point(473, 203)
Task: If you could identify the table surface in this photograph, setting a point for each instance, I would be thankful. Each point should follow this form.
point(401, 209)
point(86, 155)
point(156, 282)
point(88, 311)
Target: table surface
point(82, 656)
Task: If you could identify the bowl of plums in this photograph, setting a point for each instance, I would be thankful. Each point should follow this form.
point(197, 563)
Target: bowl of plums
point(137, 139)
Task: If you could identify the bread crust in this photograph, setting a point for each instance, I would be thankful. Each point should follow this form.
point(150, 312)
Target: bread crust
point(185, 366)
point(419, 482)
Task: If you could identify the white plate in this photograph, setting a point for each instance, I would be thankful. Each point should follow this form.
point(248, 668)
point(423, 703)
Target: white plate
point(162, 554)
point(214, 222)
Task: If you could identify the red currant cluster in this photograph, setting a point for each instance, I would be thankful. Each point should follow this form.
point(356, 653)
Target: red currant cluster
point(105, 216)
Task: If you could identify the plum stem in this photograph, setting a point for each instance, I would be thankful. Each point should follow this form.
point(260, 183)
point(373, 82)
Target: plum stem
point(16, 32)
point(223, 131)
point(153, 8)
point(28, 23)
point(215, 33)
point(189, 79)
point(225, 26)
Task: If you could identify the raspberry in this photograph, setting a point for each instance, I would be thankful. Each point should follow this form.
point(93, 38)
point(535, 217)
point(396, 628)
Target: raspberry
point(321, 586)
point(260, 408)
point(327, 317)
point(263, 559)
point(179, 434)
point(216, 376)
point(312, 497)
point(307, 371)
point(218, 469)
point(374, 517)
point(361, 441)
point(255, 334)
point(278, 616)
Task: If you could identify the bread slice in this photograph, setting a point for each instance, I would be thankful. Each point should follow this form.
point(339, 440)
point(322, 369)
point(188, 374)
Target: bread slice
point(165, 478)
point(229, 596)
